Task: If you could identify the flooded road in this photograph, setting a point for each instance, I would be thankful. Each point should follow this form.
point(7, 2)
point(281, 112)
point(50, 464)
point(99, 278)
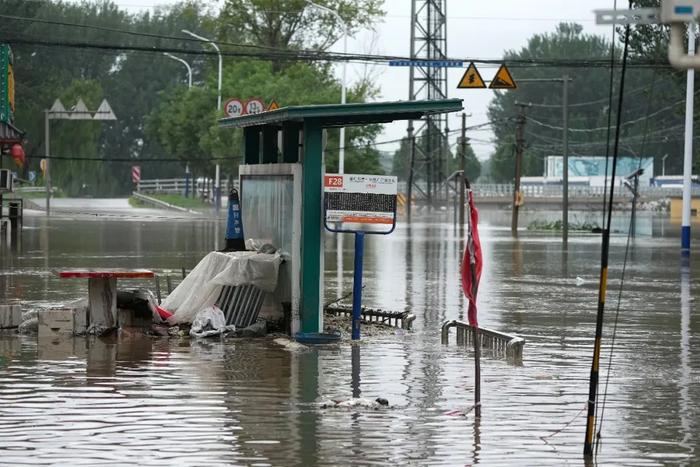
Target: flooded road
point(250, 402)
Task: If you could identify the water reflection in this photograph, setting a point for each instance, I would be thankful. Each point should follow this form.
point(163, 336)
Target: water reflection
point(686, 381)
point(172, 401)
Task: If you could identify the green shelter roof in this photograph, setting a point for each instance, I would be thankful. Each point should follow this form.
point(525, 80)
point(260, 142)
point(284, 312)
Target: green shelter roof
point(335, 115)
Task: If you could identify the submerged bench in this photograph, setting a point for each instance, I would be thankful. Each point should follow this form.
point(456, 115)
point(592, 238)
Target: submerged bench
point(102, 293)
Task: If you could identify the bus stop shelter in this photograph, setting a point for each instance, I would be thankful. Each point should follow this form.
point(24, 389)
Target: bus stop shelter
point(293, 137)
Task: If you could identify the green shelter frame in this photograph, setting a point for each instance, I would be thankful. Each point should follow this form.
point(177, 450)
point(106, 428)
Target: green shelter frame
point(301, 129)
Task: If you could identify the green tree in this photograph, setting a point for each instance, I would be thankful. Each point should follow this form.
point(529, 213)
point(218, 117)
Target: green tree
point(652, 115)
point(130, 80)
point(285, 24)
point(186, 122)
point(543, 132)
point(472, 166)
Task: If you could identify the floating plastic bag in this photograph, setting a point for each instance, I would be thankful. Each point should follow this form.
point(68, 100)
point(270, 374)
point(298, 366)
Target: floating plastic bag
point(210, 322)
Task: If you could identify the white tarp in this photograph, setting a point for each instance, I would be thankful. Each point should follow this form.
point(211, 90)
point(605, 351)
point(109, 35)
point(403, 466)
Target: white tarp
point(201, 288)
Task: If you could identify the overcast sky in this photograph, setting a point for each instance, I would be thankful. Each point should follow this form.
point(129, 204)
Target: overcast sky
point(475, 28)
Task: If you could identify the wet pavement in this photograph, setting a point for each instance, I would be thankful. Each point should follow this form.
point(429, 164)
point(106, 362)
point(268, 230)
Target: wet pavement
point(250, 402)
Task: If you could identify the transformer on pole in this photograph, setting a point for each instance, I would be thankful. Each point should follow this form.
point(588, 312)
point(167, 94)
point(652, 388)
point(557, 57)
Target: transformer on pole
point(429, 43)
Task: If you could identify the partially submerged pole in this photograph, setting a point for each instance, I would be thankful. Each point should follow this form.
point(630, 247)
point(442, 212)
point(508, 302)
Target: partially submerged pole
point(357, 285)
point(603, 282)
point(565, 178)
point(688, 148)
point(519, 146)
point(462, 177)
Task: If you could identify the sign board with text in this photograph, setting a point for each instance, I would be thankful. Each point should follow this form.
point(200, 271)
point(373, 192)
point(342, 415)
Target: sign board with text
point(359, 199)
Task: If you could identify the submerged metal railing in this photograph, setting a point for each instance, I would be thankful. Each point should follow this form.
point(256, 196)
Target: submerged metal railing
point(499, 343)
point(241, 304)
point(397, 319)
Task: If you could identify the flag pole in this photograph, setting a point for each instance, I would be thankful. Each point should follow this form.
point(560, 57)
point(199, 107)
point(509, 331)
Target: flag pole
point(475, 288)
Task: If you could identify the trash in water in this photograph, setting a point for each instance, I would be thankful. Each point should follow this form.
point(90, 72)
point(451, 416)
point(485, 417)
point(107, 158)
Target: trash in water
point(363, 402)
point(210, 322)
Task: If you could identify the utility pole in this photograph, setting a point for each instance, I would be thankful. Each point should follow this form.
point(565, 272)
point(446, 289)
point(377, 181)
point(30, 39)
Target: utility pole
point(462, 163)
point(519, 147)
point(565, 143)
point(412, 149)
point(565, 79)
point(688, 149)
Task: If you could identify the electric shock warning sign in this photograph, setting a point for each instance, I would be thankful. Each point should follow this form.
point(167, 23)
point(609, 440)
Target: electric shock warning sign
point(362, 199)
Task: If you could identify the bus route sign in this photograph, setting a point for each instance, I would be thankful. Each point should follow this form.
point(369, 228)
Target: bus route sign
point(360, 199)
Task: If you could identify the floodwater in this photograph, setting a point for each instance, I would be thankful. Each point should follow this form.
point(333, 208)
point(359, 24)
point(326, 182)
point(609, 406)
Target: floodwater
point(249, 402)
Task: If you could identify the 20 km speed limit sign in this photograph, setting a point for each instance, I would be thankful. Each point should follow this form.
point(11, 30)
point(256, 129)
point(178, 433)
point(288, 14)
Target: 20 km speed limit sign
point(233, 108)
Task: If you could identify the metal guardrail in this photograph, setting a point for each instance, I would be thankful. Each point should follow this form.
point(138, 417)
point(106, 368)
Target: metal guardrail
point(397, 319)
point(177, 186)
point(505, 190)
point(500, 343)
point(159, 203)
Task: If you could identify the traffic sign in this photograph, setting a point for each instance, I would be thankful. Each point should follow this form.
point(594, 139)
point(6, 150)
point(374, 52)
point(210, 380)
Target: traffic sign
point(254, 106)
point(273, 106)
point(472, 79)
point(233, 107)
point(503, 79)
point(135, 173)
point(428, 63)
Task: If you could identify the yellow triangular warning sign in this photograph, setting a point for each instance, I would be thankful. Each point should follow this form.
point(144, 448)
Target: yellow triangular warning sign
point(503, 79)
point(471, 79)
point(273, 106)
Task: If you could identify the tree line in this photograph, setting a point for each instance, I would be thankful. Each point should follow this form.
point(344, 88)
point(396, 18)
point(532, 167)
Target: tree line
point(162, 124)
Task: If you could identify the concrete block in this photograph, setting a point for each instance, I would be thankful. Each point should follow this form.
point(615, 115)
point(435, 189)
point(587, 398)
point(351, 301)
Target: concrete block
point(55, 322)
point(10, 316)
point(80, 319)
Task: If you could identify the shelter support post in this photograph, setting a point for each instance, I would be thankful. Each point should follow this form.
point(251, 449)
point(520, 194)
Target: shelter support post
point(290, 143)
point(312, 239)
point(269, 145)
point(251, 137)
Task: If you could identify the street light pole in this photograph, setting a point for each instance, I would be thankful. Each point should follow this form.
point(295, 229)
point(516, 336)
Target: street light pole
point(341, 152)
point(688, 147)
point(47, 164)
point(218, 51)
point(217, 181)
point(189, 70)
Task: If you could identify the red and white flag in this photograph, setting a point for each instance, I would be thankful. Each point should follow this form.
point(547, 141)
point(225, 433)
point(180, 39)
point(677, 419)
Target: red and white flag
point(472, 261)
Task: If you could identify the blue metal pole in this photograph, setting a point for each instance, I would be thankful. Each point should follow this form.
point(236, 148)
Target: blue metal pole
point(357, 284)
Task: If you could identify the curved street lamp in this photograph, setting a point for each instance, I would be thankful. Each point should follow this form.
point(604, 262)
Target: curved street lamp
point(189, 70)
point(218, 51)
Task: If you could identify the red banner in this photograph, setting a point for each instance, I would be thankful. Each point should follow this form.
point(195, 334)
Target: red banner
point(472, 261)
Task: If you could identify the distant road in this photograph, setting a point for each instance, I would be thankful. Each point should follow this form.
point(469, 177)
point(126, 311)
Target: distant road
point(104, 207)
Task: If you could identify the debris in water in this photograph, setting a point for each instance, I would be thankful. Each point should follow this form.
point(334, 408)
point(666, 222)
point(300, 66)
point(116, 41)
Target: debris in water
point(375, 404)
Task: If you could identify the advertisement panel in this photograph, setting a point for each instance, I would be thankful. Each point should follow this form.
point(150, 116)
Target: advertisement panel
point(7, 85)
